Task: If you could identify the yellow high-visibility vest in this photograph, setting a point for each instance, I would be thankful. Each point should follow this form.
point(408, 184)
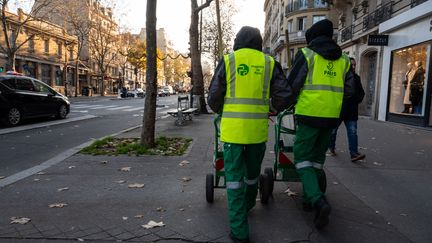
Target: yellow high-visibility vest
point(323, 90)
point(246, 105)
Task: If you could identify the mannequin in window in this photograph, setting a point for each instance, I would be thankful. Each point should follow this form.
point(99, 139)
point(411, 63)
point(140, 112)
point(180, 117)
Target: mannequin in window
point(408, 77)
point(416, 88)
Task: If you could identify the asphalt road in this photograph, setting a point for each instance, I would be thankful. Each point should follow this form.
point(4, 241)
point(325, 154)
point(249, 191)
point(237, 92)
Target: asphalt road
point(39, 140)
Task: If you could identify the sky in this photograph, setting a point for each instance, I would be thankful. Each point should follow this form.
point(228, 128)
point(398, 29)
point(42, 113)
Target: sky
point(174, 17)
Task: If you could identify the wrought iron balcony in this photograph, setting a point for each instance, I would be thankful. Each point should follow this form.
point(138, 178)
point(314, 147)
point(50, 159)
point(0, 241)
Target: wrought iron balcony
point(378, 16)
point(417, 2)
point(346, 33)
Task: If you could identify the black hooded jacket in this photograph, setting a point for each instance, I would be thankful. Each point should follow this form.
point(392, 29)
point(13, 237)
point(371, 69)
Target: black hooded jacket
point(327, 48)
point(280, 92)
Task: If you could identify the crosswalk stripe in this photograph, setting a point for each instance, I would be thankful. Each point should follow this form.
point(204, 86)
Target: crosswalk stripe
point(135, 109)
point(102, 107)
point(119, 108)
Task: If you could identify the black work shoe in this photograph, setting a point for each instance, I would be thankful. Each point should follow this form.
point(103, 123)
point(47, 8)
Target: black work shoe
point(332, 152)
point(307, 207)
point(357, 157)
point(236, 240)
point(323, 210)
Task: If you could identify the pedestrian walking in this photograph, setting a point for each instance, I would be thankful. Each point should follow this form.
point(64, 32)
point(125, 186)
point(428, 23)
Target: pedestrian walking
point(240, 90)
point(320, 80)
point(349, 116)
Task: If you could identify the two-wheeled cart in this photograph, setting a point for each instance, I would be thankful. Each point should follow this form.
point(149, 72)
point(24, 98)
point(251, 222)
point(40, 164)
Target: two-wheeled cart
point(283, 168)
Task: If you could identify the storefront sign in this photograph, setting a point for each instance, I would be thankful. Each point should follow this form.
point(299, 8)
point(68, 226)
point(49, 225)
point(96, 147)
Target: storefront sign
point(378, 40)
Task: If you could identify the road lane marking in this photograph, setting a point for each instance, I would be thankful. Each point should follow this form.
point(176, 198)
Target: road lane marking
point(119, 108)
point(135, 109)
point(44, 124)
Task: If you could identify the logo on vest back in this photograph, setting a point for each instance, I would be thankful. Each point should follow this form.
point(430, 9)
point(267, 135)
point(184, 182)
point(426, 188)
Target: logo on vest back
point(329, 71)
point(243, 70)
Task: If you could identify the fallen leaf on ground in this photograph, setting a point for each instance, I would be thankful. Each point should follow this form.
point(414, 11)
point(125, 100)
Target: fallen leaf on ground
point(373, 138)
point(376, 163)
point(63, 189)
point(363, 148)
point(377, 212)
point(290, 193)
point(335, 183)
point(136, 185)
point(160, 209)
point(152, 224)
point(403, 214)
point(188, 220)
point(125, 169)
point(36, 179)
point(41, 173)
point(184, 162)
point(139, 216)
point(17, 220)
point(79, 239)
point(2, 177)
point(186, 179)
point(181, 209)
point(104, 162)
point(125, 218)
point(57, 205)
point(121, 181)
point(71, 167)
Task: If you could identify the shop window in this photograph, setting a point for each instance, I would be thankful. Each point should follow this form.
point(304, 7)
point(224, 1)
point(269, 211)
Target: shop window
point(58, 76)
point(46, 73)
point(408, 80)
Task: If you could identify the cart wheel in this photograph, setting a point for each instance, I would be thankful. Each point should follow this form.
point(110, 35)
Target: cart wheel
point(269, 172)
point(264, 188)
point(322, 181)
point(209, 188)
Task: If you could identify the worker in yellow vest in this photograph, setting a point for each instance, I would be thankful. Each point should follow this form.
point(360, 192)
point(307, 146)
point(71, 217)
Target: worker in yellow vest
point(241, 88)
point(321, 80)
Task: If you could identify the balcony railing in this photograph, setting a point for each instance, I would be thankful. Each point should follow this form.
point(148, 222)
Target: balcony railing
point(417, 2)
point(346, 33)
point(378, 16)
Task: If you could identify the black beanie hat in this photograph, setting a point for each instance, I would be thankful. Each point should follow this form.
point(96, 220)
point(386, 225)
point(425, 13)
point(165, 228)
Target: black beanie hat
point(322, 27)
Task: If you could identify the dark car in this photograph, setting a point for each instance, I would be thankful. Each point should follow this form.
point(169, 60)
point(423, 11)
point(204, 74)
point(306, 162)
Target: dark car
point(23, 97)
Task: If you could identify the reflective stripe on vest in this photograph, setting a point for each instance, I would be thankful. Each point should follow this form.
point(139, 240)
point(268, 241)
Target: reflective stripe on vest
point(323, 90)
point(246, 104)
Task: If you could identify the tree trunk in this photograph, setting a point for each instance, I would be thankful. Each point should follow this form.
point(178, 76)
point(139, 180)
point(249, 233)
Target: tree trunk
point(197, 76)
point(76, 78)
point(10, 63)
point(149, 119)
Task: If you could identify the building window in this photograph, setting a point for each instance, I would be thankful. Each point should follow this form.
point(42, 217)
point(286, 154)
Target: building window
point(59, 49)
point(46, 46)
point(31, 45)
point(71, 54)
point(46, 73)
point(58, 76)
point(408, 80)
point(317, 18)
point(301, 23)
point(303, 4)
point(290, 26)
point(319, 4)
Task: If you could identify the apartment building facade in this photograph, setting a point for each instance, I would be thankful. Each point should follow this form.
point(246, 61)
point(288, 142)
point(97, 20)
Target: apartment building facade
point(286, 23)
point(101, 45)
point(47, 52)
point(391, 41)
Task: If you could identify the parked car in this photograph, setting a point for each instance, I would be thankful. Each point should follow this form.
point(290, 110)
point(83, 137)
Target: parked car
point(162, 92)
point(166, 90)
point(169, 89)
point(23, 97)
point(136, 93)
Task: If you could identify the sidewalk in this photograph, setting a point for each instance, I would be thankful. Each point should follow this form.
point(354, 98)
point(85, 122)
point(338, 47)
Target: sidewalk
point(101, 208)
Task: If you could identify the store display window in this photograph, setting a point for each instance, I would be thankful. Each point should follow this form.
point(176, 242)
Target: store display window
point(409, 79)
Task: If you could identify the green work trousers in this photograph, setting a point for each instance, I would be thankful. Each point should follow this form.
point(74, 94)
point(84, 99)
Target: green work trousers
point(242, 164)
point(310, 146)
